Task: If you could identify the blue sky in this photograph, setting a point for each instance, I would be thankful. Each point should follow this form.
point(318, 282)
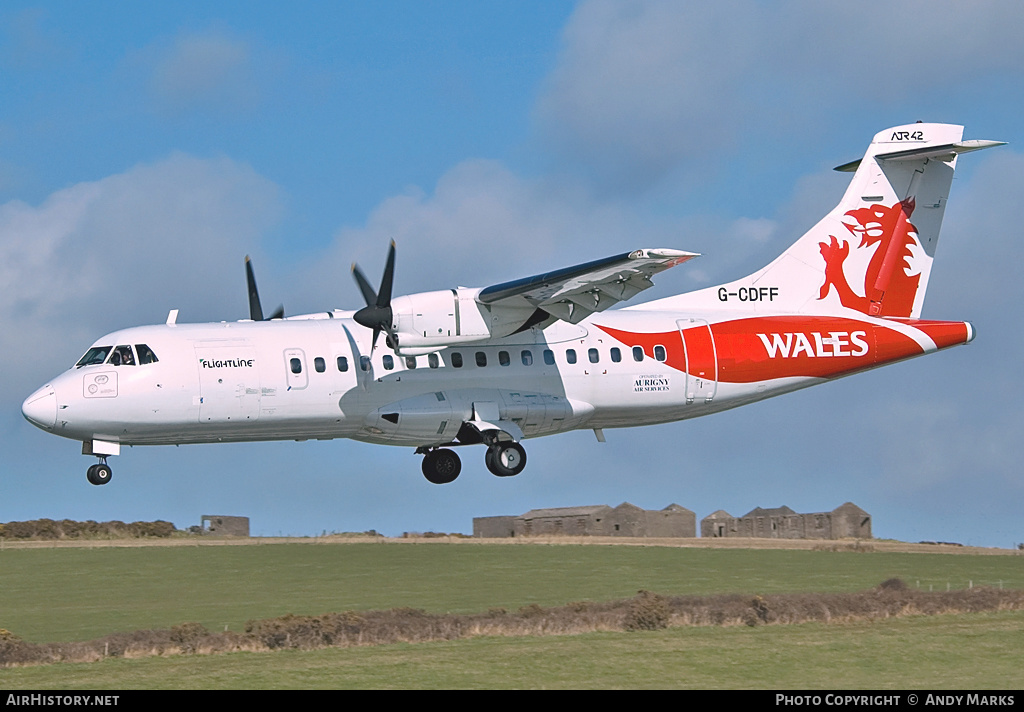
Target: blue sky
point(144, 150)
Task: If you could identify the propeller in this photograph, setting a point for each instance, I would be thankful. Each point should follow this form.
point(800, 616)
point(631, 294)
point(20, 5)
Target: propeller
point(255, 309)
point(377, 314)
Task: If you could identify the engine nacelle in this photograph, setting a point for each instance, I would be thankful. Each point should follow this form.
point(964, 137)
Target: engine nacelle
point(433, 320)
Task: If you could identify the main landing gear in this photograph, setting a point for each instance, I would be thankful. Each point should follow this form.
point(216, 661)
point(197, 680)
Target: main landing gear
point(505, 459)
point(100, 473)
point(441, 466)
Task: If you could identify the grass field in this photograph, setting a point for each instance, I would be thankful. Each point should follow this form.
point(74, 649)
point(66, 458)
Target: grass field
point(49, 595)
point(63, 594)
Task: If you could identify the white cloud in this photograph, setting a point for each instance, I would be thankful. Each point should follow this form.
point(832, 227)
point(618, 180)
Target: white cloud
point(120, 251)
point(481, 225)
point(644, 88)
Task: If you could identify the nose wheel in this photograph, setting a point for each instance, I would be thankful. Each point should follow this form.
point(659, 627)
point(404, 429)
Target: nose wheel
point(100, 473)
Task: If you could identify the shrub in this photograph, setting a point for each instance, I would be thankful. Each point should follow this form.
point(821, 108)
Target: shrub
point(647, 611)
point(188, 636)
point(893, 584)
point(70, 529)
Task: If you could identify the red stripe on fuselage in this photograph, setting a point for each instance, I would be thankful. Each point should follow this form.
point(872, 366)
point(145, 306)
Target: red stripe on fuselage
point(943, 333)
point(765, 348)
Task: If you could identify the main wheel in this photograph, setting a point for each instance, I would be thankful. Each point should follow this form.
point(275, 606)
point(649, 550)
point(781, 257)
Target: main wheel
point(441, 466)
point(99, 474)
point(505, 459)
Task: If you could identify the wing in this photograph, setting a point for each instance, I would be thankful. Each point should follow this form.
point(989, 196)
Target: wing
point(574, 293)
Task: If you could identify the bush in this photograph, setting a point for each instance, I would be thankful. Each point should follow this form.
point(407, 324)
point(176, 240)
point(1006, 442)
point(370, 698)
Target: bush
point(188, 636)
point(70, 529)
point(647, 611)
point(893, 584)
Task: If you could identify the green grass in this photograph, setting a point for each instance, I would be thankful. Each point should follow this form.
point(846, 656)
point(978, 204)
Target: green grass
point(979, 651)
point(50, 595)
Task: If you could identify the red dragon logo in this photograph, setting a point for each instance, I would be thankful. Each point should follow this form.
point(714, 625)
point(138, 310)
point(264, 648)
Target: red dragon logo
point(888, 289)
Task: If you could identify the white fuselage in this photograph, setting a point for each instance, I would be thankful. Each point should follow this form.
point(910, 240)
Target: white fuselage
point(304, 377)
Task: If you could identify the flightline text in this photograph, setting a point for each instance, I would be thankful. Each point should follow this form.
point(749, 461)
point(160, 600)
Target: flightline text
point(230, 363)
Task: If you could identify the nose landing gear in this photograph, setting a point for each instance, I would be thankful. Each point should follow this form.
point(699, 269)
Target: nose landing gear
point(100, 473)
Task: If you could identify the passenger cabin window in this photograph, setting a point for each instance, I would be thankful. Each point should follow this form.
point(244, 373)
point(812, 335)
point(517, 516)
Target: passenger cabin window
point(146, 354)
point(364, 363)
point(456, 359)
point(122, 356)
point(342, 364)
point(410, 362)
point(549, 357)
point(659, 353)
point(319, 364)
point(295, 365)
point(527, 358)
point(389, 362)
point(503, 358)
point(95, 355)
point(433, 360)
point(570, 355)
point(638, 353)
point(593, 355)
point(616, 354)
point(481, 359)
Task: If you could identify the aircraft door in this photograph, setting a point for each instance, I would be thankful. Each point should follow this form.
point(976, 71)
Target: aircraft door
point(229, 384)
point(295, 365)
point(701, 360)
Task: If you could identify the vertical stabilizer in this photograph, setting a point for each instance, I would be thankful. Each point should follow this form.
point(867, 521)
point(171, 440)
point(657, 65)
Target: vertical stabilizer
point(873, 252)
point(878, 244)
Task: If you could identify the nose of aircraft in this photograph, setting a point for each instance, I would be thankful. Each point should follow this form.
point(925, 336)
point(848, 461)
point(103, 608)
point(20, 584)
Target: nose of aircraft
point(40, 408)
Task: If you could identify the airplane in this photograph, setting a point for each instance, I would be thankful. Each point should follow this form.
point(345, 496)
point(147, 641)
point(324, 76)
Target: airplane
point(497, 365)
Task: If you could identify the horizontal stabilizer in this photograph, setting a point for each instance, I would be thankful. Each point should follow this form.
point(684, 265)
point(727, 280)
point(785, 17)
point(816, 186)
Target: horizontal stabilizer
point(946, 152)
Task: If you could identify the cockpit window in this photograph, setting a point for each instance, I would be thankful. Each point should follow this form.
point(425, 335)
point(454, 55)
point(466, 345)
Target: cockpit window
point(146, 354)
point(122, 356)
point(95, 355)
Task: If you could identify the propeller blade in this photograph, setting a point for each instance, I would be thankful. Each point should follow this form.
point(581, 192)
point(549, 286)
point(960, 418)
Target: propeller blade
point(384, 294)
point(369, 295)
point(255, 309)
